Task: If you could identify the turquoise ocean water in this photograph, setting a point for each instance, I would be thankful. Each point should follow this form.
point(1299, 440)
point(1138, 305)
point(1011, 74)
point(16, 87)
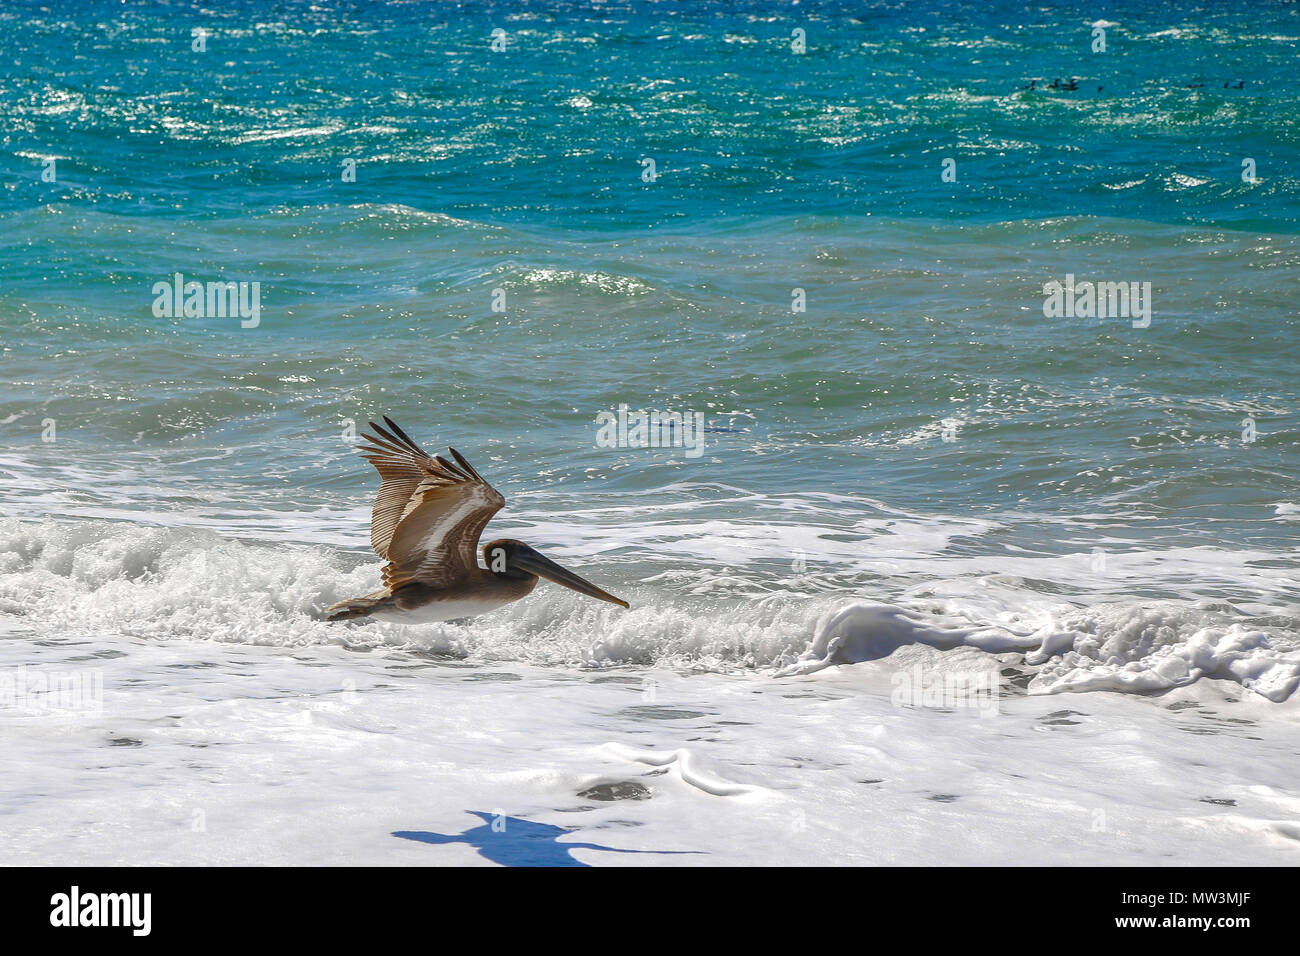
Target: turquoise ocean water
point(1125, 487)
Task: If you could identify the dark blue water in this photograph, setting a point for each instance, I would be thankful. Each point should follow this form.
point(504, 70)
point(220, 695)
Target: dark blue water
point(552, 130)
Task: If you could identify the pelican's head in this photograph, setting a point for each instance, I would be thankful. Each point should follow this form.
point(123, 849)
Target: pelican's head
point(512, 558)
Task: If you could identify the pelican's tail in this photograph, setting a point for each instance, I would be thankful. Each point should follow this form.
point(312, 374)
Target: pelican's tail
point(359, 606)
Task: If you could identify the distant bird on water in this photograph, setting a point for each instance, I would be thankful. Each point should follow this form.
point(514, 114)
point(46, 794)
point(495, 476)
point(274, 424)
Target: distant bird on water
point(426, 524)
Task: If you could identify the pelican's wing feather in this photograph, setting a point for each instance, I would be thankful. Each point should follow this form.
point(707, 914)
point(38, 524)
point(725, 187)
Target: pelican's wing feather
point(402, 465)
point(435, 540)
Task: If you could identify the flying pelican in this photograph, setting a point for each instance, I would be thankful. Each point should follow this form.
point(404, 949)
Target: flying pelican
point(426, 524)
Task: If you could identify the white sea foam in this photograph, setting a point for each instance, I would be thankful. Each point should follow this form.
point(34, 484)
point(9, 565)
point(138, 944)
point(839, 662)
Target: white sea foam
point(244, 754)
point(155, 583)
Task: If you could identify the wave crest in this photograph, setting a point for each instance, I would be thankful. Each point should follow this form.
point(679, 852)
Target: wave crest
point(185, 584)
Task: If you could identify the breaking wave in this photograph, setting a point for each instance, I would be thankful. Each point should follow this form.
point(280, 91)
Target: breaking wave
point(89, 577)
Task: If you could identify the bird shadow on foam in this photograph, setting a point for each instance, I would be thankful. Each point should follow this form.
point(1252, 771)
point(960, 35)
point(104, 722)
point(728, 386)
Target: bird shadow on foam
point(510, 841)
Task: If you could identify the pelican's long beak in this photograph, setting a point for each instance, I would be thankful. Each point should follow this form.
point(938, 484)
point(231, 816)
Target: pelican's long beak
point(528, 559)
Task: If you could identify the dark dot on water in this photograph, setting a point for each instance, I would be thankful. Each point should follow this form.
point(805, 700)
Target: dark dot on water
point(1219, 801)
point(492, 676)
point(660, 713)
point(622, 790)
point(943, 797)
point(124, 742)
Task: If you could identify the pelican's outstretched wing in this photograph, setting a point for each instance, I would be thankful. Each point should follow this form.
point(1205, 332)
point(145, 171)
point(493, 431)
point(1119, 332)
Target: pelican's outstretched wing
point(402, 465)
point(429, 512)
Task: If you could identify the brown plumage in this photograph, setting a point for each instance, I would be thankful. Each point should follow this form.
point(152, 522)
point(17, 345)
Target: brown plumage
point(426, 524)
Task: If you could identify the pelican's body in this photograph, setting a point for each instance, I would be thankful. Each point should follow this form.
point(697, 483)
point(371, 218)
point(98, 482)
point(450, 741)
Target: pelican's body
point(417, 604)
point(426, 523)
